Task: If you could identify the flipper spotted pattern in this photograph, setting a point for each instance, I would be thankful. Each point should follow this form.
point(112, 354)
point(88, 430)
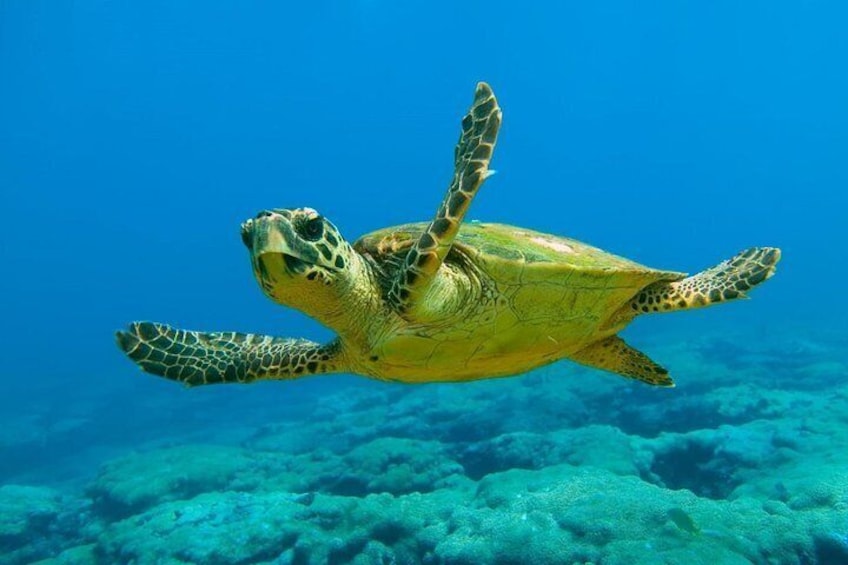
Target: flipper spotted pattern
point(728, 280)
point(197, 358)
point(472, 155)
point(614, 355)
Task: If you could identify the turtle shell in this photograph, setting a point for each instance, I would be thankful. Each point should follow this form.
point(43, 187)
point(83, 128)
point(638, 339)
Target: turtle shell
point(508, 252)
point(543, 296)
point(544, 278)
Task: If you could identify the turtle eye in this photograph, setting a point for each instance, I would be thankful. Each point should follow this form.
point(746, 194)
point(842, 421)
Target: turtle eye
point(312, 229)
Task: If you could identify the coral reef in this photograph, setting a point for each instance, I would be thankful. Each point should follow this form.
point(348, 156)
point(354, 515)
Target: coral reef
point(745, 463)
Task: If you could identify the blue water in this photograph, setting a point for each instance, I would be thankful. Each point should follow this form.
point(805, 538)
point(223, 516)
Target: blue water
point(135, 137)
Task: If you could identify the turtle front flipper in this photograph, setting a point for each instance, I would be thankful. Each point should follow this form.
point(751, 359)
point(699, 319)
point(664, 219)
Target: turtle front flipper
point(614, 355)
point(471, 168)
point(196, 358)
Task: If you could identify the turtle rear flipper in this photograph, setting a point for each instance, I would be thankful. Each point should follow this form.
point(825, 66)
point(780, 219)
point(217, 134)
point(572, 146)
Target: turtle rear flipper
point(196, 358)
point(471, 168)
point(726, 281)
point(614, 355)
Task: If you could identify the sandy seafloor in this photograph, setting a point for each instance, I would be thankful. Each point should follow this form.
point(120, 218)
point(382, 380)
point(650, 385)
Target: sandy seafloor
point(746, 461)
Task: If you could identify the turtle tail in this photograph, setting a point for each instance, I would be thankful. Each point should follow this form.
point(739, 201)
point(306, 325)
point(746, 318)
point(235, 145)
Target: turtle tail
point(728, 280)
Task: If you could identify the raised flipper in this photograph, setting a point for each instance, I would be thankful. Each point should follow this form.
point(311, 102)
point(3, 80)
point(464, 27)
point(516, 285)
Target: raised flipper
point(726, 281)
point(196, 358)
point(614, 355)
point(471, 167)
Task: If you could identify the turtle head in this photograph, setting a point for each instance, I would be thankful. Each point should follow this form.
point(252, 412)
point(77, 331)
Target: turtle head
point(299, 258)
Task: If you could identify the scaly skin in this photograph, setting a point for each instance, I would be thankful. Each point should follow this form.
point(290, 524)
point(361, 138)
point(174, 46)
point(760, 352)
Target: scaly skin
point(196, 358)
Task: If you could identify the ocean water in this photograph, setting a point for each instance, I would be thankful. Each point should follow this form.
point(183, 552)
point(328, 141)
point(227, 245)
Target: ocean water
point(136, 137)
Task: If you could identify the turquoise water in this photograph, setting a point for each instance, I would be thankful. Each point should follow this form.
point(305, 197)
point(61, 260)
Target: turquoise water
point(134, 139)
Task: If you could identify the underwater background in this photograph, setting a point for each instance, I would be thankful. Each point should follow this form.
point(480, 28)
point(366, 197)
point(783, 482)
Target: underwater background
point(135, 137)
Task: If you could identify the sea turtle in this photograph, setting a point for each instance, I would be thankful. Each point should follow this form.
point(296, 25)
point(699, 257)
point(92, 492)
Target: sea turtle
point(441, 301)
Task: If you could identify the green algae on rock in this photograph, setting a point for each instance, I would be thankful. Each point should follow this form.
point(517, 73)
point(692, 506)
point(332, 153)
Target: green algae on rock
point(138, 481)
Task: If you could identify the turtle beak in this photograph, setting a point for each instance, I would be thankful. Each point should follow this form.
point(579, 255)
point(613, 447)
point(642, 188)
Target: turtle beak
point(247, 233)
point(271, 233)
